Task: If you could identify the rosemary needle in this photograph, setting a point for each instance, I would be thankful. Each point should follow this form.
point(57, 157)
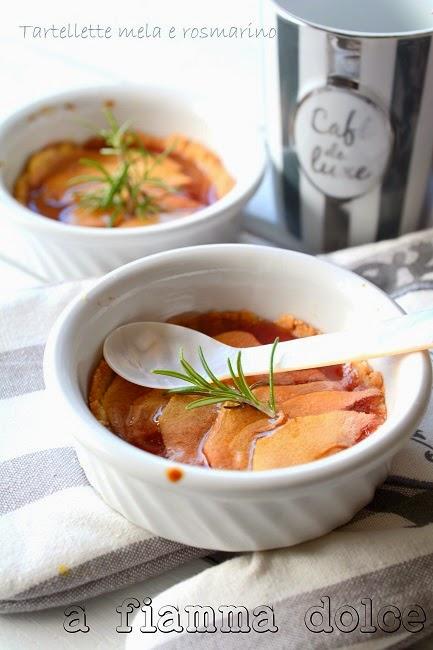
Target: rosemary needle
point(212, 390)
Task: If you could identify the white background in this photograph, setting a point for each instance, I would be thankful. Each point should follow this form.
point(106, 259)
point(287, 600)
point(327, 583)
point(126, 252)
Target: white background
point(223, 72)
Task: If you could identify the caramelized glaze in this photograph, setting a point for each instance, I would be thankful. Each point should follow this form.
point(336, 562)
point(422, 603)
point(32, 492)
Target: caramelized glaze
point(196, 176)
point(320, 411)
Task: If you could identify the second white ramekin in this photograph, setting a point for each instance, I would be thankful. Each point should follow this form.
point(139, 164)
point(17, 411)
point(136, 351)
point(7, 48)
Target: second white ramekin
point(55, 251)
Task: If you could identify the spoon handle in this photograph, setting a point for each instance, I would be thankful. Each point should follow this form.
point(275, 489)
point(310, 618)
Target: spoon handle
point(409, 333)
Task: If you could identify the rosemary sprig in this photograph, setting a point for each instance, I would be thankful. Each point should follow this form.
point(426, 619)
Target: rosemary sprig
point(118, 138)
point(215, 391)
point(117, 192)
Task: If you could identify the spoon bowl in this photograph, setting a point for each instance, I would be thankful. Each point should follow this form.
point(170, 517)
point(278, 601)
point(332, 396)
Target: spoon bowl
point(136, 349)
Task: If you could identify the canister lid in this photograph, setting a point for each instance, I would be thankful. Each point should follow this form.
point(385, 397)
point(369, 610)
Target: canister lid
point(363, 18)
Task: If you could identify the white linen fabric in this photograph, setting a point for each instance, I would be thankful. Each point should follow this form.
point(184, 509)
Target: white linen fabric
point(60, 542)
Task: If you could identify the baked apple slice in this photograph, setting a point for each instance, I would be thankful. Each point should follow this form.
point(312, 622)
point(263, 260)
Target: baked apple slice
point(304, 439)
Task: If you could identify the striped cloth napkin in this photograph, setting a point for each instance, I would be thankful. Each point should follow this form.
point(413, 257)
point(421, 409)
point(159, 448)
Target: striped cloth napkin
point(61, 544)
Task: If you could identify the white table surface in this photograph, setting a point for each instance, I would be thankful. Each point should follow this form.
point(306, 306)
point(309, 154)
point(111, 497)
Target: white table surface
point(34, 69)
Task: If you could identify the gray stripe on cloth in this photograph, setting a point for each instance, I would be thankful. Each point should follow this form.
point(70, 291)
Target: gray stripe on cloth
point(403, 481)
point(31, 477)
point(416, 508)
point(103, 574)
point(21, 371)
point(402, 585)
point(421, 639)
point(426, 285)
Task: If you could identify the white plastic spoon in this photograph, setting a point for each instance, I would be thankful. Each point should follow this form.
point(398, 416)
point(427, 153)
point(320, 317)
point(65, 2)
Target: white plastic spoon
point(136, 349)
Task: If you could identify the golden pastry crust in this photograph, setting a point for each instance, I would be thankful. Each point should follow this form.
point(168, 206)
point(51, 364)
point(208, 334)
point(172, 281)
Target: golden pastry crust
point(298, 328)
point(204, 158)
point(40, 165)
point(101, 380)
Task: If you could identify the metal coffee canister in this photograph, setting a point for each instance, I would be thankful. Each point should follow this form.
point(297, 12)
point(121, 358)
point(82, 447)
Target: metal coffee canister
point(349, 94)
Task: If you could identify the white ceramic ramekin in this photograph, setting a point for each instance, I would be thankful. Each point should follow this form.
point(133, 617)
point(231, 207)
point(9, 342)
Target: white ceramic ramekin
point(56, 251)
point(227, 509)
